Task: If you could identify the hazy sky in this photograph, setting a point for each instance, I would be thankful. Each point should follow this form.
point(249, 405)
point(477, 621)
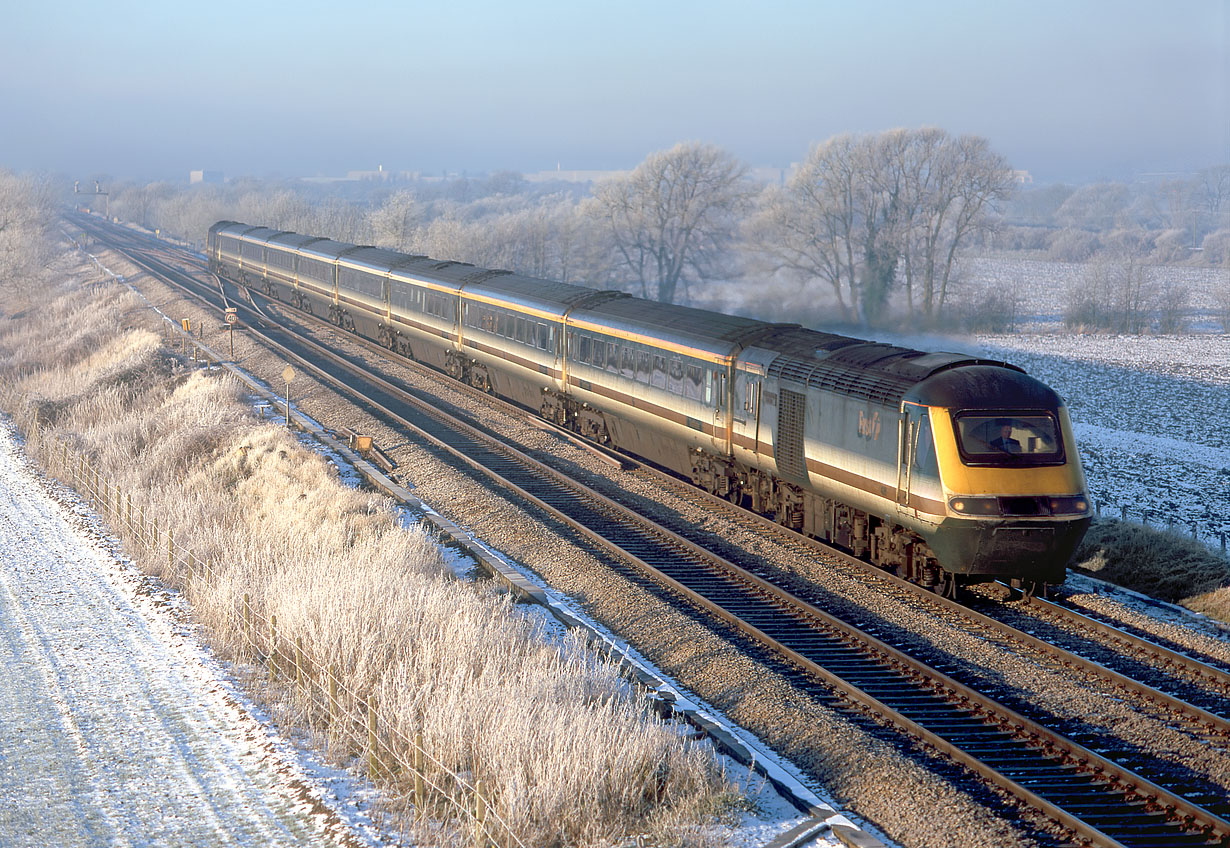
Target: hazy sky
point(1068, 90)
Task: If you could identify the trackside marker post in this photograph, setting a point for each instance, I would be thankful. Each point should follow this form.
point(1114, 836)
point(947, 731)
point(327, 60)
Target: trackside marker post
point(288, 375)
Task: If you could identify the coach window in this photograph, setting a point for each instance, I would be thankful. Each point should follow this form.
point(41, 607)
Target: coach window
point(583, 348)
point(644, 365)
point(627, 361)
point(694, 383)
point(674, 382)
point(659, 371)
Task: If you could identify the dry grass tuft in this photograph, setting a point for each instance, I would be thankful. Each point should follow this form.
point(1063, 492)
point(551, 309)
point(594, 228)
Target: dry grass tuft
point(1159, 563)
point(566, 746)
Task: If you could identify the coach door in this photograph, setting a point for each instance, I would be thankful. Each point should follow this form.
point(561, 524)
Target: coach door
point(913, 466)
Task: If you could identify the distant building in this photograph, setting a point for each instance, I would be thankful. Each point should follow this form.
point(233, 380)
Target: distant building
point(195, 177)
point(378, 175)
point(572, 176)
point(1022, 178)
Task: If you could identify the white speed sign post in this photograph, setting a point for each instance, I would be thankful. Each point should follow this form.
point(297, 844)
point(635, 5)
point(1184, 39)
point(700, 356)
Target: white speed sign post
point(288, 375)
point(232, 315)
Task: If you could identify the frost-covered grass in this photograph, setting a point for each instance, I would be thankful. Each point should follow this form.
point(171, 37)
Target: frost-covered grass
point(1159, 563)
point(570, 753)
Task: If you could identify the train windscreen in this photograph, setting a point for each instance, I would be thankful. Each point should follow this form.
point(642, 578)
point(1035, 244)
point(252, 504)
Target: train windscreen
point(1009, 439)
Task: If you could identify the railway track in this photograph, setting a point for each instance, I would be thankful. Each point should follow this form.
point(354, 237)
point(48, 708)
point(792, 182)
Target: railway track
point(1090, 796)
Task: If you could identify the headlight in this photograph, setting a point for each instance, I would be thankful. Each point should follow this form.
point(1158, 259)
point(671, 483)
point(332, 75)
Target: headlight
point(975, 506)
point(1078, 505)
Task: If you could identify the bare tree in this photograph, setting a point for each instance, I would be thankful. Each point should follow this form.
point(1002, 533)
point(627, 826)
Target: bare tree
point(1173, 299)
point(1221, 297)
point(673, 216)
point(1098, 207)
point(27, 208)
point(395, 222)
point(864, 211)
point(973, 180)
point(1213, 188)
point(807, 227)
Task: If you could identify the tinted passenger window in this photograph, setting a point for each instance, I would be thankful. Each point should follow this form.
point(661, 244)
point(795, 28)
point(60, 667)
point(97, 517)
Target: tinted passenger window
point(659, 371)
point(693, 385)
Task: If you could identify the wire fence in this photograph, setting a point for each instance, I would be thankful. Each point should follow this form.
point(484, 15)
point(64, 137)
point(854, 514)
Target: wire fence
point(1212, 537)
point(432, 797)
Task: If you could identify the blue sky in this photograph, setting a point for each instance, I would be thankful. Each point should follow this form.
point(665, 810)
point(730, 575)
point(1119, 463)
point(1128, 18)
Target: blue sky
point(1068, 90)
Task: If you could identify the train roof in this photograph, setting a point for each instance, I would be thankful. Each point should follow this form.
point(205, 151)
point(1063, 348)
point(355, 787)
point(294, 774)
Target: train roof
point(982, 385)
point(547, 298)
point(233, 229)
point(697, 332)
point(326, 250)
point(880, 372)
point(258, 235)
point(377, 260)
point(445, 275)
point(291, 241)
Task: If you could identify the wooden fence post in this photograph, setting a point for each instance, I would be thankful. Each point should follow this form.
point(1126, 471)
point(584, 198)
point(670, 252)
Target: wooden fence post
point(299, 673)
point(128, 507)
point(420, 765)
point(247, 621)
point(480, 816)
point(171, 551)
point(273, 647)
point(333, 705)
point(373, 758)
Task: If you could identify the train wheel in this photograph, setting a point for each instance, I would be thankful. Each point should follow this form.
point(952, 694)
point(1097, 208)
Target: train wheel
point(946, 586)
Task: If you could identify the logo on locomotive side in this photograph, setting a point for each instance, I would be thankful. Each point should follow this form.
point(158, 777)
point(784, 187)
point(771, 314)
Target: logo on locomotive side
point(869, 426)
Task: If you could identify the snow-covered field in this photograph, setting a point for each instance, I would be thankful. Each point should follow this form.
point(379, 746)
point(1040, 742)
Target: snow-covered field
point(115, 727)
point(1042, 287)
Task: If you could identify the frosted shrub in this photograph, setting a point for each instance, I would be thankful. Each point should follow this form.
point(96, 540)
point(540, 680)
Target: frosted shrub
point(1160, 563)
